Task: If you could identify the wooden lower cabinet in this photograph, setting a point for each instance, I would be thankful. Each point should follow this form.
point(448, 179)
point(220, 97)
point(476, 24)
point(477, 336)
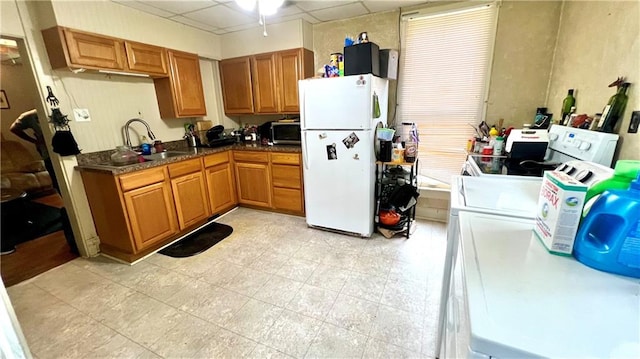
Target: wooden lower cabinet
point(221, 186)
point(286, 177)
point(253, 184)
point(190, 196)
point(151, 214)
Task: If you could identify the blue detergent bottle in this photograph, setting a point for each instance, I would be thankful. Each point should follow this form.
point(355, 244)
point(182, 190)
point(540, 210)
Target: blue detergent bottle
point(609, 236)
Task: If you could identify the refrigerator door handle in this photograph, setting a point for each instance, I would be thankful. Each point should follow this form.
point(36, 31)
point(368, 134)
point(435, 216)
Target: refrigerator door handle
point(305, 155)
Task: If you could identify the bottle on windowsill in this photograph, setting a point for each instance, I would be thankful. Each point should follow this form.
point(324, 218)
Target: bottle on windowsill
point(567, 104)
point(614, 109)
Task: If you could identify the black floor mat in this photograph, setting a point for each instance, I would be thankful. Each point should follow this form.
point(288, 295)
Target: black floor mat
point(199, 241)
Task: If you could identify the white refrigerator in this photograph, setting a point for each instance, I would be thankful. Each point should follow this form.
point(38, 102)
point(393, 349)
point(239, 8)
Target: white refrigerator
point(338, 118)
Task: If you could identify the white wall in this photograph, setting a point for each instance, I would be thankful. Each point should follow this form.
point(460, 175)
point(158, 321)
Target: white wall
point(588, 58)
point(282, 36)
point(113, 19)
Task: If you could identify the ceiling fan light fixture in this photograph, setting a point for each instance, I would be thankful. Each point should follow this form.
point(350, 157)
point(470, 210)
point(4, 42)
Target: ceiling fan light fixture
point(248, 5)
point(269, 7)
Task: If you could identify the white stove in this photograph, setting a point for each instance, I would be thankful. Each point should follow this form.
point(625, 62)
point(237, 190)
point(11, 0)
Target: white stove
point(568, 143)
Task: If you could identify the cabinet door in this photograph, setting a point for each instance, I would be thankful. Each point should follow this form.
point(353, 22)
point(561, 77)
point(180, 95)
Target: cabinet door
point(265, 88)
point(293, 65)
point(94, 51)
point(187, 84)
point(151, 214)
point(222, 190)
point(146, 58)
point(235, 76)
point(253, 184)
point(190, 196)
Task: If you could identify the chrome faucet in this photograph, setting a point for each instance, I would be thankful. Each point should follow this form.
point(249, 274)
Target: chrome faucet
point(126, 130)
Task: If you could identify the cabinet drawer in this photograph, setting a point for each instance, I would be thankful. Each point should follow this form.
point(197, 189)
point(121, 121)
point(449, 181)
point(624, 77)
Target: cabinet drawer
point(184, 167)
point(286, 176)
point(216, 159)
point(142, 178)
point(286, 158)
point(248, 156)
point(287, 199)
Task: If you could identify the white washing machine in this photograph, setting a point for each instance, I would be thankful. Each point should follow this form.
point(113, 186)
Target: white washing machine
point(510, 298)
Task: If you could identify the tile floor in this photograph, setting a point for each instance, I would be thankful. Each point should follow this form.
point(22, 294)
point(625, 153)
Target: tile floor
point(273, 289)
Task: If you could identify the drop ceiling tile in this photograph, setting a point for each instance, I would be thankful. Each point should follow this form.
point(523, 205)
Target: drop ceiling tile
point(288, 10)
point(197, 24)
point(144, 8)
point(181, 7)
point(378, 6)
point(220, 16)
point(244, 27)
point(308, 18)
point(317, 5)
point(340, 12)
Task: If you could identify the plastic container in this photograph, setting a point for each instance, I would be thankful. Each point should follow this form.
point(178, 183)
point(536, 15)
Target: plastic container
point(498, 145)
point(124, 156)
point(145, 146)
point(609, 237)
point(625, 171)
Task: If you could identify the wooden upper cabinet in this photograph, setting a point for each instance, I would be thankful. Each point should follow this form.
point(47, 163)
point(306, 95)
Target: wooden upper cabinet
point(69, 48)
point(265, 83)
point(235, 76)
point(293, 65)
point(265, 86)
point(146, 58)
point(181, 94)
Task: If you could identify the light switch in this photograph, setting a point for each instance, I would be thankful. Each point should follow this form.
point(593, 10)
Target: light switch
point(81, 114)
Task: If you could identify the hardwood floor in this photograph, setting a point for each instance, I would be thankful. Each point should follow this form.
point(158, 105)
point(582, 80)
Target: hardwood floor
point(36, 256)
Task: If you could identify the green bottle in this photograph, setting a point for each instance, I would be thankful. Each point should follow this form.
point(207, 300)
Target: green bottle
point(567, 103)
point(614, 110)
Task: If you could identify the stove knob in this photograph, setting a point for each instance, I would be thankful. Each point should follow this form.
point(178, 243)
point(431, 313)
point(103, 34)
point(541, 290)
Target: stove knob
point(553, 136)
point(570, 170)
point(585, 146)
point(561, 168)
point(584, 175)
point(577, 143)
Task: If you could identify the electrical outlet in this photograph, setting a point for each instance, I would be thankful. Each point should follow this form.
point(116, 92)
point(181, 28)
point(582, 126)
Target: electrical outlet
point(81, 114)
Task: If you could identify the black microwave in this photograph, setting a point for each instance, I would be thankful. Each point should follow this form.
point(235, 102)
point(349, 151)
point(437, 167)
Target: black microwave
point(286, 133)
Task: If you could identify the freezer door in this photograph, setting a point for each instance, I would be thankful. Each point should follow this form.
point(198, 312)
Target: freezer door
point(339, 103)
point(339, 178)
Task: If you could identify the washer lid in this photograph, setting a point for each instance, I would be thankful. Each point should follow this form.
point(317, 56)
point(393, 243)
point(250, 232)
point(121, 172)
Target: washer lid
point(524, 301)
point(513, 196)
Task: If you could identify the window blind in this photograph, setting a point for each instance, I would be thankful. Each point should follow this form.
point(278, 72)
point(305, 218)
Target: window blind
point(443, 80)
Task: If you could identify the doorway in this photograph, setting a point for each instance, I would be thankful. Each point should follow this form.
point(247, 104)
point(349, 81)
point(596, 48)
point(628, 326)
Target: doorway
point(40, 241)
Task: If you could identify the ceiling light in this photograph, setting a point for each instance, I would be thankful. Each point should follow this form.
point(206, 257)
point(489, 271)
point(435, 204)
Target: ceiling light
point(265, 8)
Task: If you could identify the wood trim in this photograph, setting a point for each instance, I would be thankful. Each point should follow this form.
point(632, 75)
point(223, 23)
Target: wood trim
point(251, 156)
point(142, 178)
point(184, 167)
point(216, 159)
point(286, 158)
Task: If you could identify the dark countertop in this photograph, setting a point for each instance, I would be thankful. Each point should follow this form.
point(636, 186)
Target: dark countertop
point(101, 161)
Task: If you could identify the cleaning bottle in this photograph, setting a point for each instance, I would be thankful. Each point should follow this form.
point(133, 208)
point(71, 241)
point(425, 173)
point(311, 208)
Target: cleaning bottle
point(625, 171)
point(145, 145)
point(609, 237)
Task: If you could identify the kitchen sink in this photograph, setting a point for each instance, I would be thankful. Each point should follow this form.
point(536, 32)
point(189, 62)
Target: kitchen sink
point(164, 155)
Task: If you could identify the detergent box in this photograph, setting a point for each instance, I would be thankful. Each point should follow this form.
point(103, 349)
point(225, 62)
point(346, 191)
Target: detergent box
point(559, 211)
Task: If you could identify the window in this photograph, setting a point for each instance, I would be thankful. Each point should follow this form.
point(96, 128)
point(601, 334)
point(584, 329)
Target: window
point(445, 61)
